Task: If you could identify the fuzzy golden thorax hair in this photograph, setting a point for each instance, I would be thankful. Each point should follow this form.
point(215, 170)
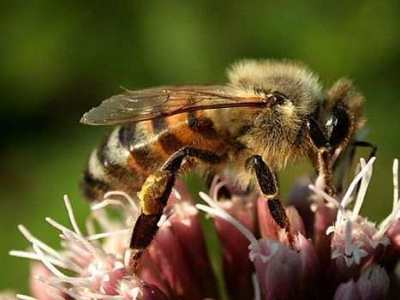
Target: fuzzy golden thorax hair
point(274, 132)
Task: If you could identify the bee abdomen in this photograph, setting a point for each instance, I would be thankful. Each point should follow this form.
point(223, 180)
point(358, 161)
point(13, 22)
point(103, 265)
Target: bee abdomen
point(167, 140)
point(93, 188)
point(134, 151)
point(108, 167)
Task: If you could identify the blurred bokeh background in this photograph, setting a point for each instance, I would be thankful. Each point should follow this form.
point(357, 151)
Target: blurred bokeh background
point(59, 58)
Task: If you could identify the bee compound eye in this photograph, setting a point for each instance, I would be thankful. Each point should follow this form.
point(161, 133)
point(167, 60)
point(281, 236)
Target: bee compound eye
point(316, 134)
point(279, 98)
point(341, 126)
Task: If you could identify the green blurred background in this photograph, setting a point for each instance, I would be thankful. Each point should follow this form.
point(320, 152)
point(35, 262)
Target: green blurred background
point(59, 58)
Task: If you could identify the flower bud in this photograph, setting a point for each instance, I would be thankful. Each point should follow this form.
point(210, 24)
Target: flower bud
point(394, 236)
point(373, 284)
point(235, 248)
point(40, 290)
point(300, 197)
point(282, 272)
point(348, 291)
point(177, 260)
point(270, 229)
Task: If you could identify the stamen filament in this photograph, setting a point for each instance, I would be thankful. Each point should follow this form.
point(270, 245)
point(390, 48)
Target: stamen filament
point(106, 234)
point(256, 285)
point(395, 182)
point(33, 240)
point(122, 194)
point(25, 297)
point(71, 215)
point(363, 189)
point(34, 256)
point(216, 210)
point(346, 198)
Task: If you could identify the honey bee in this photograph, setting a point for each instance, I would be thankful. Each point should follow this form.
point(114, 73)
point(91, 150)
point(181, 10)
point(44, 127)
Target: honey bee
point(270, 113)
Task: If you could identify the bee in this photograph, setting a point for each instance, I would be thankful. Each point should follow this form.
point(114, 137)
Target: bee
point(270, 113)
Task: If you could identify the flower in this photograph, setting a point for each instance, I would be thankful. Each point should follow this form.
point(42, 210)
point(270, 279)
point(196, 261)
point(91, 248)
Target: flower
point(282, 271)
point(373, 284)
point(329, 252)
point(355, 241)
point(97, 273)
point(357, 252)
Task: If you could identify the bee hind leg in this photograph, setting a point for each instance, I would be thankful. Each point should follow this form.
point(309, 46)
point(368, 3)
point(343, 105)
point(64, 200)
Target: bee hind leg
point(269, 186)
point(154, 195)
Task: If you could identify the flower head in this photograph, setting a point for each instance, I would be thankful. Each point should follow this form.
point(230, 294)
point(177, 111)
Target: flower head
point(330, 250)
point(293, 270)
point(96, 272)
point(356, 241)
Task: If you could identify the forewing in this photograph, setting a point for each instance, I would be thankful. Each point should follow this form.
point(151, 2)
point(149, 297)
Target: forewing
point(147, 104)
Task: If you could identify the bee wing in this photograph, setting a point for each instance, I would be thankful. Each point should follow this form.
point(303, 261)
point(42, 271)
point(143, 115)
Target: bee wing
point(147, 104)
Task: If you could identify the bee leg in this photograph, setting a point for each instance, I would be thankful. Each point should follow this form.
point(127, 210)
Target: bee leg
point(269, 186)
point(154, 195)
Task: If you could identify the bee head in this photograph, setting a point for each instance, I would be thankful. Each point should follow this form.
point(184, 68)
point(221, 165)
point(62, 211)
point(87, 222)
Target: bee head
point(334, 123)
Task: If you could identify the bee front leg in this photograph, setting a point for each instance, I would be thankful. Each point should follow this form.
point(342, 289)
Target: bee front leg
point(154, 195)
point(269, 186)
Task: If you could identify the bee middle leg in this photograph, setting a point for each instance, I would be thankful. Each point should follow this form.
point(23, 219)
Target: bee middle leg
point(154, 195)
point(269, 186)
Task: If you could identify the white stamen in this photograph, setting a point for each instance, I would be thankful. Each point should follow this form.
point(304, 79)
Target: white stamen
point(71, 215)
point(102, 219)
point(107, 234)
point(348, 238)
point(105, 203)
point(69, 234)
point(215, 210)
point(57, 225)
point(363, 189)
point(52, 268)
point(177, 194)
point(346, 198)
point(122, 194)
point(33, 240)
point(256, 286)
point(25, 297)
point(329, 198)
point(90, 226)
point(217, 187)
point(395, 213)
point(34, 256)
point(214, 182)
point(395, 182)
point(387, 222)
point(163, 220)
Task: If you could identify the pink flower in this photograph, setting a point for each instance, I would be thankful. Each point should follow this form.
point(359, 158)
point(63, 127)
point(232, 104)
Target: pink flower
point(355, 241)
point(283, 271)
point(330, 250)
point(96, 273)
point(177, 260)
point(301, 268)
point(373, 284)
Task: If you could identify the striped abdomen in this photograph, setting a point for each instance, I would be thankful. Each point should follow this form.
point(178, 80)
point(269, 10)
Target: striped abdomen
point(133, 151)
